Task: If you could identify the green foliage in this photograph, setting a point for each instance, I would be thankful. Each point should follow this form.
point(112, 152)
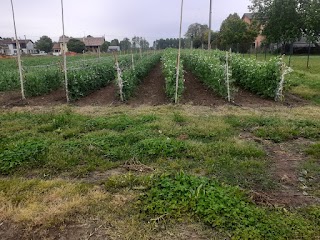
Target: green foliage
point(83, 81)
point(22, 152)
point(197, 33)
point(133, 77)
point(209, 69)
point(44, 44)
point(235, 31)
point(161, 147)
point(169, 69)
point(280, 19)
point(105, 46)
point(75, 45)
point(9, 80)
point(223, 207)
point(42, 81)
point(262, 78)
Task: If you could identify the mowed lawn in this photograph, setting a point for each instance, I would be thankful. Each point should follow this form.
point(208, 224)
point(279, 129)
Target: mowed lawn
point(168, 172)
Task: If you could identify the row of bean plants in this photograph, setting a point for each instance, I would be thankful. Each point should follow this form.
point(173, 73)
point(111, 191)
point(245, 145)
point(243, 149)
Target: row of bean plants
point(132, 77)
point(43, 74)
point(169, 69)
point(262, 78)
point(209, 68)
point(42, 81)
point(84, 80)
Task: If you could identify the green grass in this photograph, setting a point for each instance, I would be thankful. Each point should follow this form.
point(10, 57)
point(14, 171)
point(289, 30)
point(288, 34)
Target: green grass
point(224, 208)
point(219, 167)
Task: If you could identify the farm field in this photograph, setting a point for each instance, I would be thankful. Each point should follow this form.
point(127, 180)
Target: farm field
point(99, 168)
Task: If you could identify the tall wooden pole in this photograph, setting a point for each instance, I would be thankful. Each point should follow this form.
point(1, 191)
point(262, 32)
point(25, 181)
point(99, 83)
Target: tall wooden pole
point(64, 56)
point(179, 54)
point(18, 54)
point(210, 20)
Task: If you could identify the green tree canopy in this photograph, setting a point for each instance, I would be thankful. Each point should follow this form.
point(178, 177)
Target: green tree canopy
point(75, 45)
point(114, 42)
point(280, 19)
point(105, 46)
point(197, 32)
point(44, 44)
point(234, 32)
point(125, 44)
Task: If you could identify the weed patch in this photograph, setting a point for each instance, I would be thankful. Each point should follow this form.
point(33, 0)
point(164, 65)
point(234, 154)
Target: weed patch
point(223, 207)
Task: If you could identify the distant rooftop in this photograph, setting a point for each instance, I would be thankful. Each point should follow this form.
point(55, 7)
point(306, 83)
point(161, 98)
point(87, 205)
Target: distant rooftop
point(248, 15)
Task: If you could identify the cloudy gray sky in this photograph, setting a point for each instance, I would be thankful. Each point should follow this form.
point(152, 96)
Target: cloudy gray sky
point(113, 18)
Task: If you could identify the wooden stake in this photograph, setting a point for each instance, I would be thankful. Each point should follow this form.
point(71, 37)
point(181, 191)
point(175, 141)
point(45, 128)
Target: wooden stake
point(18, 54)
point(179, 55)
point(64, 57)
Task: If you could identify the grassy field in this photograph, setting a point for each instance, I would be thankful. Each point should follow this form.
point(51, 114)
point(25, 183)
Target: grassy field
point(170, 172)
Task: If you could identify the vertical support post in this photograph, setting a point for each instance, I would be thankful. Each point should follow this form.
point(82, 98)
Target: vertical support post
point(18, 54)
point(119, 76)
point(309, 49)
point(132, 60)
point(140, 52)
point(64, 56)
point(210, 20)
point(291, 52)
point(227, 76)
point(179, 55)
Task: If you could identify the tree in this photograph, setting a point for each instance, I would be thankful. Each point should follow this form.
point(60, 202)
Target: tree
point(310, 11)
point(280, 19)
point(44, 44)
point(197, 32)
point(236, 34)
point(105, 46)
point(75, 45)
point(140, 42)
point(114, 42)
point(125, 44)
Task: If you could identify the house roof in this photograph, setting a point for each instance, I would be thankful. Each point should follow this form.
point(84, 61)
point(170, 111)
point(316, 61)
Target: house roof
point(66, 39)
point(88, 41)
point(92, 41)
point(56, 46)
point(248, 15)
point(14, 41)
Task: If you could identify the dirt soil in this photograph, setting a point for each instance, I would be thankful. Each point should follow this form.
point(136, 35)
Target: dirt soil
point(13, 99)
point(197, 94)
point(151, 92)
point(106, 96)
point(285, 158)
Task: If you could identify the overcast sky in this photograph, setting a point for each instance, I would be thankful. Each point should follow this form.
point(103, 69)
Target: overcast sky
point(152, 19)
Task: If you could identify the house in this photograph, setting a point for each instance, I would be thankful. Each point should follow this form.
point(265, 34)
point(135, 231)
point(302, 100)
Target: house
point(9, 47)
point(247, 18)
point(299, 46)
point(56, 49)
point(92, 44)
point(113, 49)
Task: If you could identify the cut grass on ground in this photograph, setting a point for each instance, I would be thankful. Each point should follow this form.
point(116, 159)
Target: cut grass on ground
point(49, 159)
